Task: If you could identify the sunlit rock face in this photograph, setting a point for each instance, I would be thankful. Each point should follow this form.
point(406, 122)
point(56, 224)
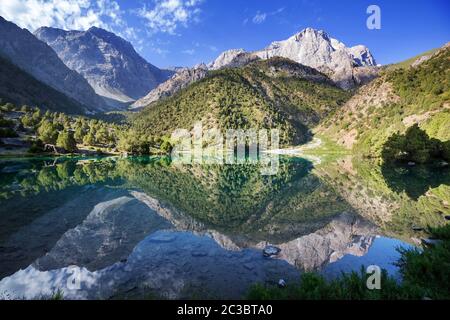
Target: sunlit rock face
point(109, 63)
point(38, 59)
point(314, 48)
point(232, 59)
point(347, 67)
point(178, 81)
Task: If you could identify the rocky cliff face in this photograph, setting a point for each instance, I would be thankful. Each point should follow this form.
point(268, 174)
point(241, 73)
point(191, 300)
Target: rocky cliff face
point(232, 58)
point(109, 63)
point(180, 80)
point(316, 49)
point(38, 59)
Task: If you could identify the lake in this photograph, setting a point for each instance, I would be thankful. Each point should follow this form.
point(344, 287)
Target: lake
point(146, 227)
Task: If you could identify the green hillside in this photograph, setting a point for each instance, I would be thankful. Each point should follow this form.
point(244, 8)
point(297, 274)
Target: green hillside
point(265, 94)
point(407, 63)
point(399, 98)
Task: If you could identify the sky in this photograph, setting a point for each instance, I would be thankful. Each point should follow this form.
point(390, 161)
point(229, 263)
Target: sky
point(171, 33)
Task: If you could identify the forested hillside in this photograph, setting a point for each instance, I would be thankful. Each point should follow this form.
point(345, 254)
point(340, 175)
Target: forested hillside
point(276, 93)
point(395, 101)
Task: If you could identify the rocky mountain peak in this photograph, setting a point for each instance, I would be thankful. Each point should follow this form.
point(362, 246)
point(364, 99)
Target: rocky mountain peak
point(108, 62)
point(316, 49)
point(231, 58)
point(311, 33)
point(178, 81)
point(38, 59)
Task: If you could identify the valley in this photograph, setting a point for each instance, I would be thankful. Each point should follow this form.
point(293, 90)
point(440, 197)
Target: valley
point(89, 186)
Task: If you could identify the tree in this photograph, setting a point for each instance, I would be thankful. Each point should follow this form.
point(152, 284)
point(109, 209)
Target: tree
point(27, 120)
point(415, 145)
point(66, 141)
point(47, 132)
point(446, 150)
point(79, 134)
point(102, 135)
point(37, 115)
point(48, 115)
point(89, 139)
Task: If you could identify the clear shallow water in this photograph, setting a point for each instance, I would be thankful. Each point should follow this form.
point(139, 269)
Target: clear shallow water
point(145, 227)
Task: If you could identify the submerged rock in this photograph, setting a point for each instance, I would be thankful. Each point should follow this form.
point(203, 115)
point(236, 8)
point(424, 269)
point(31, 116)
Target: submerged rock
point(281, 283)
point(443, 164)
point(271, 251)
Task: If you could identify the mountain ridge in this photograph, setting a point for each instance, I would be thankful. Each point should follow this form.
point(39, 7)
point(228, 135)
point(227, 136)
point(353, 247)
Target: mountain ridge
point(38, 59)
point(358, 66)
point(110, 64)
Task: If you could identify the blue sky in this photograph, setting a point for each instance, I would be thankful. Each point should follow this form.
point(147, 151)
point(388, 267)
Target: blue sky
point(186, 32)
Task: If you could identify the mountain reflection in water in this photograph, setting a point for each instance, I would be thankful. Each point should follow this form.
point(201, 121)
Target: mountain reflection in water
point(136, 227)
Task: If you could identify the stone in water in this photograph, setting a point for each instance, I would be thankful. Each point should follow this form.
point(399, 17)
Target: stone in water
point(271, 251)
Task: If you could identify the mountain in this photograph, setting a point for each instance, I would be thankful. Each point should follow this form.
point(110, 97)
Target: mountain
point(35, 57)
point(183, 77)
point(178, 81)
point(232, 58)
point(276, 93)
point(414, 91)
point(347, 67)
point(314, 48)
point(109, 63)
point(21, 88)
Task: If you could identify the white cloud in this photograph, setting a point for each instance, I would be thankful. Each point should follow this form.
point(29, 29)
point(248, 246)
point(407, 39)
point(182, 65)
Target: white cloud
point(260, 17)
point(167, 15)
point(64, 14)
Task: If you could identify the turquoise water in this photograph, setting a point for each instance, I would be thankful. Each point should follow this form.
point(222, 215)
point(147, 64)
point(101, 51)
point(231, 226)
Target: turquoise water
point(147, 227)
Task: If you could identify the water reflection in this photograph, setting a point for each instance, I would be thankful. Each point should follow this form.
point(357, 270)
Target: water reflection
point(415, 181)
point(384, 196)
point(143, 224)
